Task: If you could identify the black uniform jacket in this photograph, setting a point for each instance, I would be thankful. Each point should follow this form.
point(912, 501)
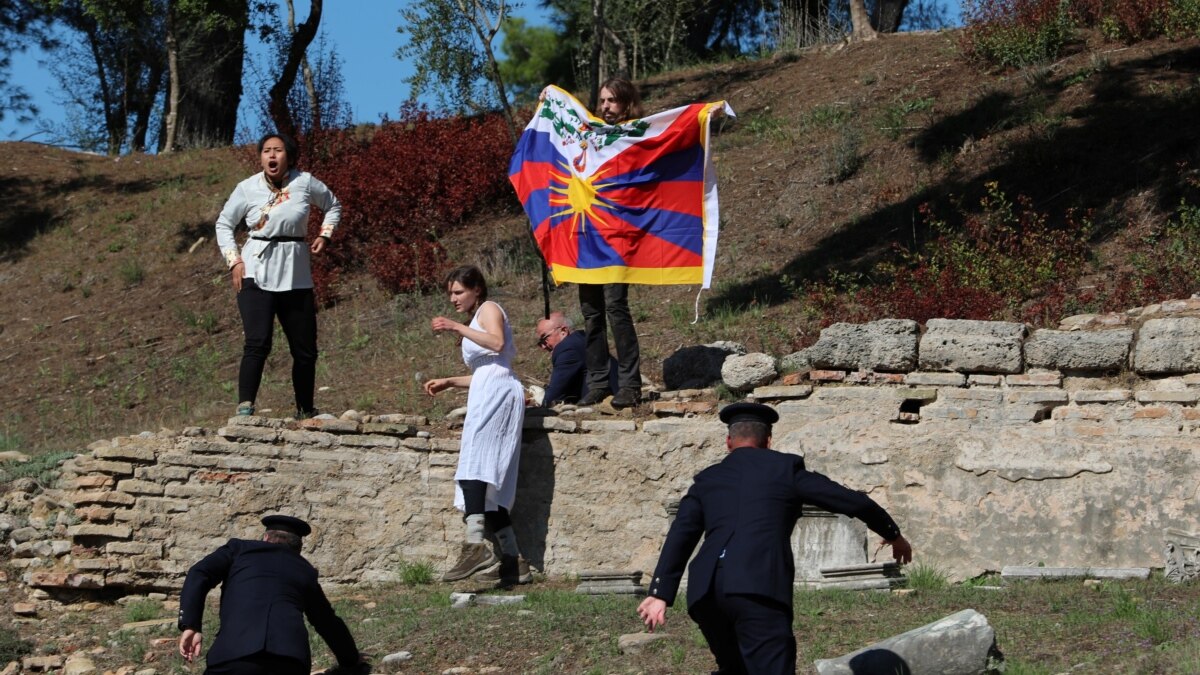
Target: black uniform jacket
point(568, 370)
point(746, 506)
point(267, 591)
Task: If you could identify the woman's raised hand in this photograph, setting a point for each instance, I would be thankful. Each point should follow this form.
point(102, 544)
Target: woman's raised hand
point(441, 323)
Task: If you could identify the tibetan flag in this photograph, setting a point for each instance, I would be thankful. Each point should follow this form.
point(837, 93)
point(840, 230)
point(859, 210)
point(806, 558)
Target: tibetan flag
point(634, 202)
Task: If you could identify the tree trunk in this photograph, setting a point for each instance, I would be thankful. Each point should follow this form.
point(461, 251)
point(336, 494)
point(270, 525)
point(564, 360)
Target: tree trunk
point(860, 21)
point(144, 107)
point(169, 122)
point(310, 86)
point(888, 14)
point(281, 115)
point(210, 60)
point(597, 51)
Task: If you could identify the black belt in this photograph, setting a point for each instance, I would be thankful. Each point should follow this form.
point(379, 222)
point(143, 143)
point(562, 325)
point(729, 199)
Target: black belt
point(278, 238)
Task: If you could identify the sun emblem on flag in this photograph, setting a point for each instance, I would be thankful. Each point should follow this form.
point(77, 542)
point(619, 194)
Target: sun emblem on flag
point(577, 200)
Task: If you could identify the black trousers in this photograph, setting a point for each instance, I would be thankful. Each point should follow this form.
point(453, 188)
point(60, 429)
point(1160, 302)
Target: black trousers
point(297, 314)
point(475, 501)
point(746, 633)
point(259, 664)
point(605, 305)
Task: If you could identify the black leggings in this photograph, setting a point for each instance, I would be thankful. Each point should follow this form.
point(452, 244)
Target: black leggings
point(474, 498)
point(297, 314)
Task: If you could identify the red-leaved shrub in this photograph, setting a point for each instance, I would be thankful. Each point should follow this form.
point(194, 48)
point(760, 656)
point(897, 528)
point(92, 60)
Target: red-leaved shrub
point(404, 186)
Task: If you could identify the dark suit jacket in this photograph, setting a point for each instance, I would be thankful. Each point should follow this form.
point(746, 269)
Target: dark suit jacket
point(746, 506)
point(568, 371)
point(267, 590)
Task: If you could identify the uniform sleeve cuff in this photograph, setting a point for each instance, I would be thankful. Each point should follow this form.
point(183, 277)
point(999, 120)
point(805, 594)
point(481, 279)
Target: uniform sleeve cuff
point(327, 231)
point(232, 258)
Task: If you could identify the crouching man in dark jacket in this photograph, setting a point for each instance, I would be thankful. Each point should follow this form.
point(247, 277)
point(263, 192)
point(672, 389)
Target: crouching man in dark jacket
point(740, 583)
point(267, 590)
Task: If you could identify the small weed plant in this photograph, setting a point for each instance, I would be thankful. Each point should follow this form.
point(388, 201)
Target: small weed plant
point(143, 610)
point(926, 577)
point(416, 573)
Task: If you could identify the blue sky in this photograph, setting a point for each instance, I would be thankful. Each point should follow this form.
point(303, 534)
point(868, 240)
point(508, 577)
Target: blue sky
point(364, 37)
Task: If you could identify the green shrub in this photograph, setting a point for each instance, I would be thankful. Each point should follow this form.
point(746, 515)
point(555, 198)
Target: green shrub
point(43, 468)
point(1017, 33)
point(132, 272)
point(12, 647)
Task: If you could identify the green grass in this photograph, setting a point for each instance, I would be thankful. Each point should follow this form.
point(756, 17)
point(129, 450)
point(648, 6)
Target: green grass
point(143, 610)
point(925, 577)
point(418, 573)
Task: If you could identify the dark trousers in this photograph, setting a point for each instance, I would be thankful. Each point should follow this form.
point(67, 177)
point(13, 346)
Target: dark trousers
point(475, 501)
point(297, 313)
point(746, 633)
point(259, 664)
point(604, 305)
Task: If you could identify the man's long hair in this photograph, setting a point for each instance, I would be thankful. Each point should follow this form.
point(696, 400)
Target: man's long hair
point(625, 92)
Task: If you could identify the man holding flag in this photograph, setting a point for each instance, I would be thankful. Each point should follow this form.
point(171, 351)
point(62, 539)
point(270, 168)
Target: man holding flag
point(615, 200)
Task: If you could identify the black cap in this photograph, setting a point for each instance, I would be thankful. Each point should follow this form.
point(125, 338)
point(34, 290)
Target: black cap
point(287, 524)
point(749, 412)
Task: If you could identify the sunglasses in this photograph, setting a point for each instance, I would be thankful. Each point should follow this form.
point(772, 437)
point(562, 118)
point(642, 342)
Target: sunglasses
point(541, 343)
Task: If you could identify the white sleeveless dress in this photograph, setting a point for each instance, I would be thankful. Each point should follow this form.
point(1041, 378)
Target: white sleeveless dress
point(491, 439)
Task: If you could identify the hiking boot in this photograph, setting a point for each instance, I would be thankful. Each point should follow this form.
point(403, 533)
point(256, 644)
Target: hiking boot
point(510, 571)
point(627, 398)
point(595, 396)
point(245, 408)
point(472, 558)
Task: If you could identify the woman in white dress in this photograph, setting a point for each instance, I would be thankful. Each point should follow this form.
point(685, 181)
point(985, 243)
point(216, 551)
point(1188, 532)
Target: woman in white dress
point(487, 461)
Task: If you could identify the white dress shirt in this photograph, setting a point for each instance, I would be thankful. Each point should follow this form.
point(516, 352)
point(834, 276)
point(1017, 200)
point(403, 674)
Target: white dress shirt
point(269, 213)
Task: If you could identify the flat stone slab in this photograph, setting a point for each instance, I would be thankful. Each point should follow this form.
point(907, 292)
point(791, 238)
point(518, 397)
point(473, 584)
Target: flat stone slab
point(633, 643)
point(1167, 346)
point(887, 569)
point(610, 588)
point(1019, 572)
point(634, 576)
point(1105, 350)
point(959, 644)
point(780, 393)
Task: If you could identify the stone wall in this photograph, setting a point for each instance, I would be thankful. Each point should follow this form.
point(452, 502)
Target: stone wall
point(981, 469)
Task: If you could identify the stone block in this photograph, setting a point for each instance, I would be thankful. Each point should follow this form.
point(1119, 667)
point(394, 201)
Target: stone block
point(163, 505)
point(421, 444)
point(329, 425)
point(972, 346)
point(130, 453)
point(745, 372)
point(960, 644)
point(796, 362)
point(96, 564)
point(923, 394)
point(682, 408)
point(827, 375)
point(388, 429)
point(948, 412)
point(95, 514)
point(922, 379)
point(1023, 572)
point(886, 345)
point(103, 498)
point(369, 441)
point(83, 464)
point(244, 433)
point(95, 530)
point(601, 426)
point(1045, 379)
point(93, 482)
point(1101, 396)
point(411, 420)
point(64, 580)
point(1185, 397)
point(315, 438)
point(1166, 346)
point(974, 396)
point(1039, 396)
point(549, 424)
point(697, 366)
point(978, 380)
point(1079, 351)
point(139, 487)
point(778, 393)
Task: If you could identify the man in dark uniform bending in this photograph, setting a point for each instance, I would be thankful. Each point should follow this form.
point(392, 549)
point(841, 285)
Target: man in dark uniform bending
point(267, 589)
point(740, 583)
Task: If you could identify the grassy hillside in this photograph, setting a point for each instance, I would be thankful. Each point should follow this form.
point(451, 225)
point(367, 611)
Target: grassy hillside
point(119, 317)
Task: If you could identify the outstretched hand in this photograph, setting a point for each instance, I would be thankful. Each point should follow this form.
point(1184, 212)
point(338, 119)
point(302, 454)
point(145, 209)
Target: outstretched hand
point(653, 612)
